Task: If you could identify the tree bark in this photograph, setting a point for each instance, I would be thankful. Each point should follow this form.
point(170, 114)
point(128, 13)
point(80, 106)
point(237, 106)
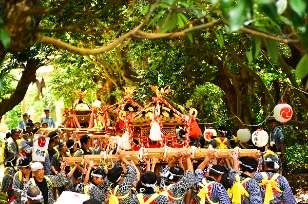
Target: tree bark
point(28, 76)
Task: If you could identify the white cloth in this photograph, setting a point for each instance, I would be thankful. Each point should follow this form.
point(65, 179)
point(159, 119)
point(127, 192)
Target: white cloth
point(36, 166)
point(155, 132)
point(72, 197)
point(124, 141)
point(39, 150)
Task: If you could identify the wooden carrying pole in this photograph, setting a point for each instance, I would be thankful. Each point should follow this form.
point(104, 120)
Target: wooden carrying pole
point(162, 153)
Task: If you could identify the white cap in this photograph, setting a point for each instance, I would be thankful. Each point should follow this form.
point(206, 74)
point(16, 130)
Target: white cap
point(36, 166)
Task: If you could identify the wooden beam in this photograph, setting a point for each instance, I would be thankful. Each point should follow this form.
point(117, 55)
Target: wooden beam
point(161, 153)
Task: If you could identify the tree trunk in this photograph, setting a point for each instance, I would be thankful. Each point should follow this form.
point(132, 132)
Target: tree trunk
point(28, 76)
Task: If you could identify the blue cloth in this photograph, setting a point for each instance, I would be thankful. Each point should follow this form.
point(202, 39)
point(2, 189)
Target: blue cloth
point(180, 188)
point(22, 125)
point(49, 121)
point(277, 136)
point(217, 193)
point(251, 186)
point(286, 196)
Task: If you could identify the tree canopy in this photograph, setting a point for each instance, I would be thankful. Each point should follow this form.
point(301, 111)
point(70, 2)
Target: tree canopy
point(233, 58)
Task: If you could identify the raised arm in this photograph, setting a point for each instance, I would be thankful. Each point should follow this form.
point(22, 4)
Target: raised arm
point(60, 179)
point(206, 160)
point(87, 176)
point(70, 174)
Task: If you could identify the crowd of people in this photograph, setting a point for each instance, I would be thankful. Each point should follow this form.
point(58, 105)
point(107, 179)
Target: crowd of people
point(174, 179)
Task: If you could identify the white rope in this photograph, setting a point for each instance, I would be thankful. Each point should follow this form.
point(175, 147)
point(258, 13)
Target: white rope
point(193, 151)
point(301, 90)
point(141, 153)
point(165, 151)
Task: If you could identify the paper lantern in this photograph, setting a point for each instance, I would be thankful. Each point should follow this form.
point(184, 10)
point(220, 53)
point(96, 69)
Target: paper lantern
point(209, 133)
point(283, 112)
point(243, 135)
point(259, 138)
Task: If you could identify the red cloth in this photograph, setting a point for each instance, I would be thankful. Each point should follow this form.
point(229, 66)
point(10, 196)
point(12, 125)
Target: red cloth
point(12, 199)
point(155, 145)
point(153, 202)
point(177, 145)
point(194, 129)
point(135, 147)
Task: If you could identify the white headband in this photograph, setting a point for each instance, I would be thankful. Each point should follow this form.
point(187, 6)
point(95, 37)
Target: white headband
point(36, 166)
point(219, 172)
point(246, 165)
point(171, 175)
point(38, 197)
point(149, 185)
point(96, 175)
point(72, 146)
point(270, 160)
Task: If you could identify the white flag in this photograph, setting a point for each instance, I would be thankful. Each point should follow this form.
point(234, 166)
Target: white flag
point(40, 146)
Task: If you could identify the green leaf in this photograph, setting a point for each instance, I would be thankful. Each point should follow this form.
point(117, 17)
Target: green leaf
point(169, 23)
point(299, 6)
point(269, 9)
point(160, 81)
point(256, 48)
point(190, 37)
point(157, 17)
point(249, 56)
point(272, 50)
point(214, 1)
point(286, 21)
point(303, 36)
point(302, 67)
point(220, 39)
point(281, 6)
point(170, 2)
point(239, 14)
point(145, 10)
point(5, 38)
point(164, 5)
point(181, 20)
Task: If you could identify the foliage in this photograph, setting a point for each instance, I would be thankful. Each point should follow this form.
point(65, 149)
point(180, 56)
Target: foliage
point(297, 158)
point(13, 117)
point(72, 74)
point(249, 52)
point(267, 16)
point(7, 77)
point(4, 35)
point(301, 69)
point(208, 99)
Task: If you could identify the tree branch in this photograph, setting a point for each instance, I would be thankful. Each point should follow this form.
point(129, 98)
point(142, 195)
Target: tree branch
point(269, 36)
point(28, 76)
point(80, 50)
point(152, 36)
point(136, 33)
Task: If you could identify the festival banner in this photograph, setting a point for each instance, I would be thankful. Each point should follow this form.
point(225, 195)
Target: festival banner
point(40, 146)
